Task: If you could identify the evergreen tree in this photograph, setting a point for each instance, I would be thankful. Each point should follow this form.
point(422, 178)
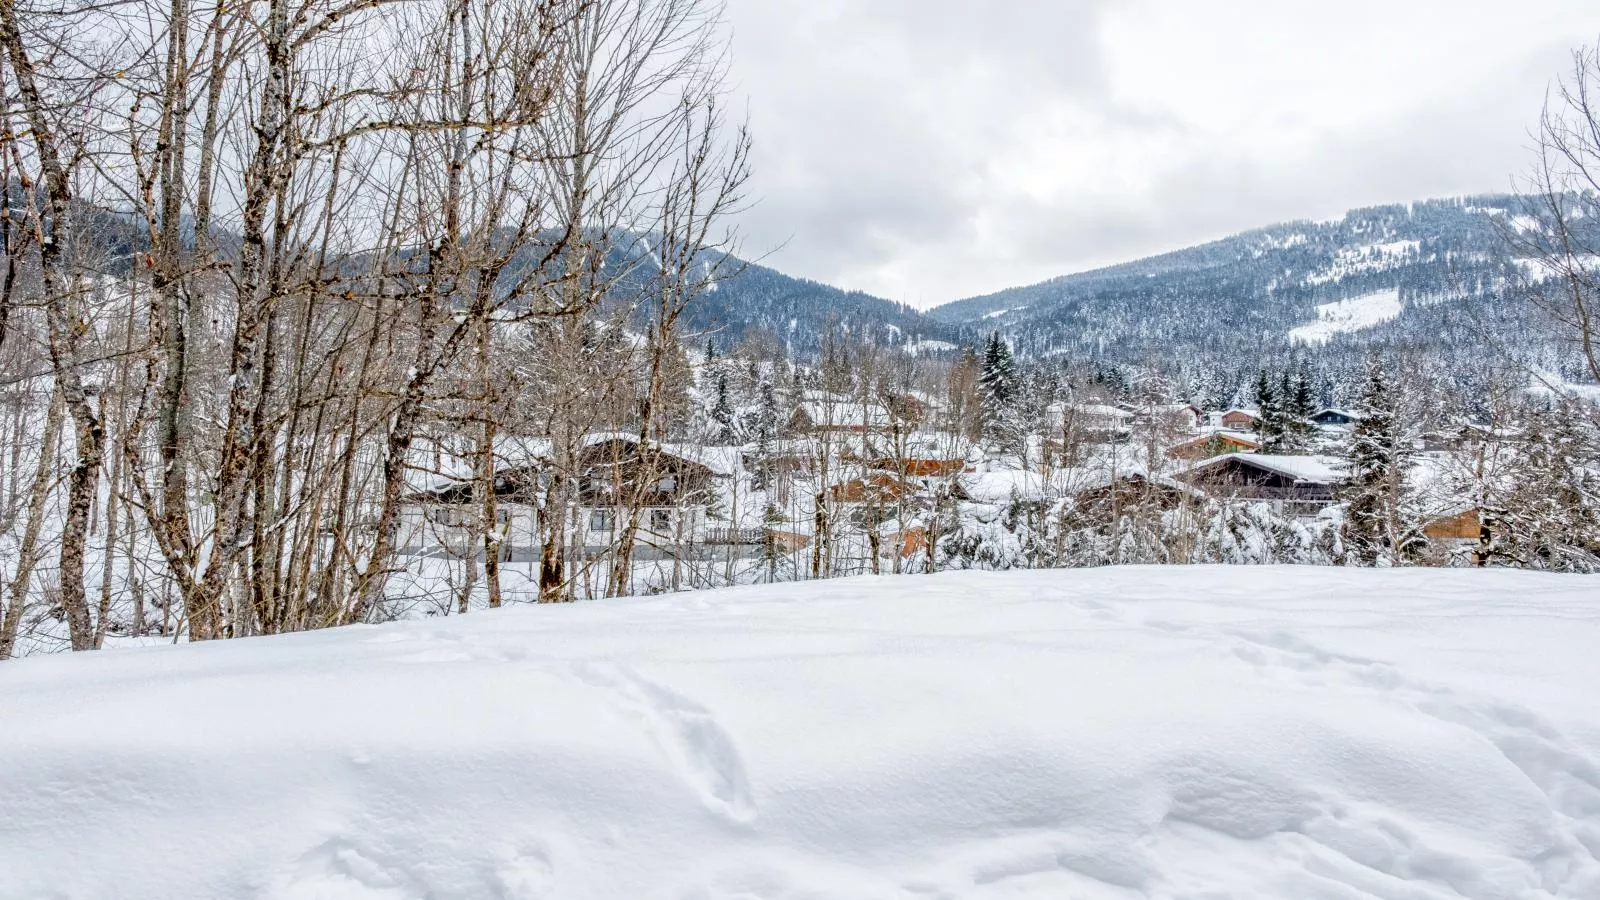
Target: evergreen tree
point(766, 433)
point(766, 418)
point(722, 411)
point(1380, 527)
point(1296, 406)
point(1303, 404)
point(1269, 412)
point(997, 394)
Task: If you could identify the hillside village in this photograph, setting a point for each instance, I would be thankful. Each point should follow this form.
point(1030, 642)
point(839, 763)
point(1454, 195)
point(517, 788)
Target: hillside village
point(812, 483)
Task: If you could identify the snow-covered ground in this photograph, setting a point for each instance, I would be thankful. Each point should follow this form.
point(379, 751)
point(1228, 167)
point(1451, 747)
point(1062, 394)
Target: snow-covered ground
point(1216, 733)
point(916, 348)
point(1349, 315)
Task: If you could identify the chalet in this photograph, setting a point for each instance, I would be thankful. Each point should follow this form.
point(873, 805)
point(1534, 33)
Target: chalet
point(447, 516)
point(1169, 416)
point(914, 456)
point(1237, 419)
point(876, 489)
point(620, 473)
point(1457, 534)
point(1295, 485)
point(1103, 505)
point(1215, 443)
point(1334, 418)
point(1095, 421)
point(788, 540)
point(614, 475)
point(821, 413)
point(911, 409)
point(921, 467)
point(1463, 436)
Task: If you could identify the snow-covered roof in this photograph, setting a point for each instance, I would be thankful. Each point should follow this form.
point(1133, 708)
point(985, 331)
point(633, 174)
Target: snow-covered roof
point(1001, 485)
point(1101, 410)
point(1211, 433)
point(720, 460)
point(1311, 469)
point(846, 414)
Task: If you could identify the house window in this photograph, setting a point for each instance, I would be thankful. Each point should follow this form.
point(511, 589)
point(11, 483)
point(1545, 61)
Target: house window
point(448, 516)
point(602, 520)
point(660, 519)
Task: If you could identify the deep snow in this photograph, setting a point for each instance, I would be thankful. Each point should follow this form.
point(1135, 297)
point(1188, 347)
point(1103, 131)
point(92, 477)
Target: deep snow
point(1215, 733)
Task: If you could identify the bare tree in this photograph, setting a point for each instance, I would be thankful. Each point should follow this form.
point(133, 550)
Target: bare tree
point(1563, 196)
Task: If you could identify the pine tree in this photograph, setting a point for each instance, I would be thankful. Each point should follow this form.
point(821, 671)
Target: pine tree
point(766, 418)
point(1295, 409)
point(1269, 412)
point(766, 434)
point(722, 411)
point(1304, 403)
point(997, 394)
point(1380, 528)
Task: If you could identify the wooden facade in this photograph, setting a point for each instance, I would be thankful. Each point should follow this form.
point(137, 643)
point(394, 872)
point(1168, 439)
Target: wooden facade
point(1246, 476)
point(1462, 526)
point(1207, 446)
point(1241, 419)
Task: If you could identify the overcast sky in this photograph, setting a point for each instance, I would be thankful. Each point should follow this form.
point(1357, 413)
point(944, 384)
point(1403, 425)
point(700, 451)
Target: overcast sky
point(928, 150)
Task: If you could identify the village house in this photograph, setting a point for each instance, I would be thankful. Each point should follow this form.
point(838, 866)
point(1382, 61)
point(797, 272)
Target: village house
point(821, 413)
point(1238, 419)
point(1184, 417)
point(1465, 435)
point(1104, 504)
point(1465, 524)
point(621, 474)
point(878, 487)
point(614, 474)
point(1214, 443)
point(1334, 418)
point(1093, 422)
point(1295, 485)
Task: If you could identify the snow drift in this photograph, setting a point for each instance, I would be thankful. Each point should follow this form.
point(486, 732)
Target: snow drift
point(1163, 733)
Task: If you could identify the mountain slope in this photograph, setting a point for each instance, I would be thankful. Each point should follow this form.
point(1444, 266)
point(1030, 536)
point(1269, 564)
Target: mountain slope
point(1381, 274)
point(798, 311)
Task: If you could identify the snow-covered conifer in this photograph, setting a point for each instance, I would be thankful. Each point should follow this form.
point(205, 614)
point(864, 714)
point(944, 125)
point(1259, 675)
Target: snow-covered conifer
point(1381, 526)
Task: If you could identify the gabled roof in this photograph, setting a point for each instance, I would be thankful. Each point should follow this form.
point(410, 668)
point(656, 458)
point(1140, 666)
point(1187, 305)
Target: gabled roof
point(1102, 410)
point(1304, 469)
point(1242, 438)
point(832, 414)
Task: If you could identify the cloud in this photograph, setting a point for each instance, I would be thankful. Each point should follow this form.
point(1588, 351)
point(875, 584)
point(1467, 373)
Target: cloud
point(927, 150)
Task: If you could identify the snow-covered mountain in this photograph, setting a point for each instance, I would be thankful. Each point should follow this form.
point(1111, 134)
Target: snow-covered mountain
point(1430, 274)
